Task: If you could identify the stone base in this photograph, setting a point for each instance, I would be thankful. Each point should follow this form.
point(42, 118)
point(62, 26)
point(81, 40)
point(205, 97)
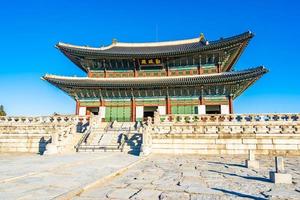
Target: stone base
point(280, 178)
point(254, 164)
point(51, 149)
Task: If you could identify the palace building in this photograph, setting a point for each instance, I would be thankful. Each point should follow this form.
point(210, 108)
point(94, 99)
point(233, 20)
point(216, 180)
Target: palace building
point(130, 81)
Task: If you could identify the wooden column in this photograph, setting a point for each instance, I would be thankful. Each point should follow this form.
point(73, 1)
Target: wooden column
point(200, 70)
point(102, 102)
point(77, 107)
point(136, 68)
point(168, 71)
point(200, 100)
point(135, 73)
point(133, 110)
point(90, 74)
point(168, 105)
point(167, 67)
point(218, 67)
point(105, 73)
point(230, 102)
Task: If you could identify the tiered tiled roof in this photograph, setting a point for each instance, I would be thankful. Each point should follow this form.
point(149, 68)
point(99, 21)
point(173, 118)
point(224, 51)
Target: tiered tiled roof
point(225, 83)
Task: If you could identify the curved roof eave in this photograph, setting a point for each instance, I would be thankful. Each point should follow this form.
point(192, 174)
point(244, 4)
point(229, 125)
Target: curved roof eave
point(218, 78)
point(131, 49)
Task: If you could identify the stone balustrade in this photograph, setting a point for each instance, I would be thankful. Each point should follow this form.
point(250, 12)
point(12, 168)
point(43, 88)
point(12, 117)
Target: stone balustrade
point(33, 134)
point(239, 118)
point(228, 129)
point(224, 134)
point(231, 124)
point(15, 120)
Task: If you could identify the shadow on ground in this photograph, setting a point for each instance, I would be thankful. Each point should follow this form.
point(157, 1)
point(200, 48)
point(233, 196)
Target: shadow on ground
point(239, 194)
point(228, 164)
point(256, 178)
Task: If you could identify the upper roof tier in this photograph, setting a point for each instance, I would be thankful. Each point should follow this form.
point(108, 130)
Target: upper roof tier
point(153, 49)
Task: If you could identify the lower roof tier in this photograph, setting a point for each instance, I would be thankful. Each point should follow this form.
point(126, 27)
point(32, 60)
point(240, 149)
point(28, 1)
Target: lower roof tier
point(226, 83)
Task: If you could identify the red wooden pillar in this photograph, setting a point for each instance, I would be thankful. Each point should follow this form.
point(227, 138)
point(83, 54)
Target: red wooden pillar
point(133, 110)
point(200, 70)
point(168, 71)
point(168, 106)
point(200, 100)
point(102, 102)
point(219, 68)
point(77, 107)
point(136, 68)
point(90, 74)
point(135, 73)
point(230, 102)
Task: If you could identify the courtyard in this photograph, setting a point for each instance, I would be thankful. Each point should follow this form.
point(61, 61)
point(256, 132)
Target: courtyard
point(123, 176)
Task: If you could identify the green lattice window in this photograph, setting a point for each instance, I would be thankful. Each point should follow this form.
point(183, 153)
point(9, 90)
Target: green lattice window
point(119, 113)
point(184, 109)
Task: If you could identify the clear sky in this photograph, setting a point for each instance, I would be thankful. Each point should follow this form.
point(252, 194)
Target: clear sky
point(30, 29)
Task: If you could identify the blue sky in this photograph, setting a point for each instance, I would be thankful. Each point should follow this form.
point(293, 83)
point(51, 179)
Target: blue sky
point(30, 29)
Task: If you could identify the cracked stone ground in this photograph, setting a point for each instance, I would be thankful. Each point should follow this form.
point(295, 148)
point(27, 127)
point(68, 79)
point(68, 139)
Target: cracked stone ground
point(29, 176)
point(198, 177)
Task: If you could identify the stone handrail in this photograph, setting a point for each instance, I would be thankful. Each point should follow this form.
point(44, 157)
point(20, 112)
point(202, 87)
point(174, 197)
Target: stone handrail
point(64, 136)
point(84, 138)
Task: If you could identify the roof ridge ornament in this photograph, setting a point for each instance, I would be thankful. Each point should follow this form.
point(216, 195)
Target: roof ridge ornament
point(114, 41)
point(201, 37)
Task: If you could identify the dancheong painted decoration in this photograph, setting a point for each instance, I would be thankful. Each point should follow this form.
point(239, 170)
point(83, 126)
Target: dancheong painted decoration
point(130, 81)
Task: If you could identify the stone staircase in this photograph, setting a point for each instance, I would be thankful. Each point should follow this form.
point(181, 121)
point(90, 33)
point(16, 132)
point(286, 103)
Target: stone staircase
point(114, 136)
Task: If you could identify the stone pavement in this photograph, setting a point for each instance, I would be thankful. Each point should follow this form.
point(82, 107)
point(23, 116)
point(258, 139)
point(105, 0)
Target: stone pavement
point(29, 176)
point(198, 177)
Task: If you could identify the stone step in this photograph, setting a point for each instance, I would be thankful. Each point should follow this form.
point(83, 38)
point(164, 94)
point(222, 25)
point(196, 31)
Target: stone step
point(99, 150)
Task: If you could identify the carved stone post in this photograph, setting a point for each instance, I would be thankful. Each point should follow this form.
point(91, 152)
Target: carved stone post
point(95, 121)
point(182, 119)
point(156, 118)
point(251, 162)
point(147, 139)
point(280, 175)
